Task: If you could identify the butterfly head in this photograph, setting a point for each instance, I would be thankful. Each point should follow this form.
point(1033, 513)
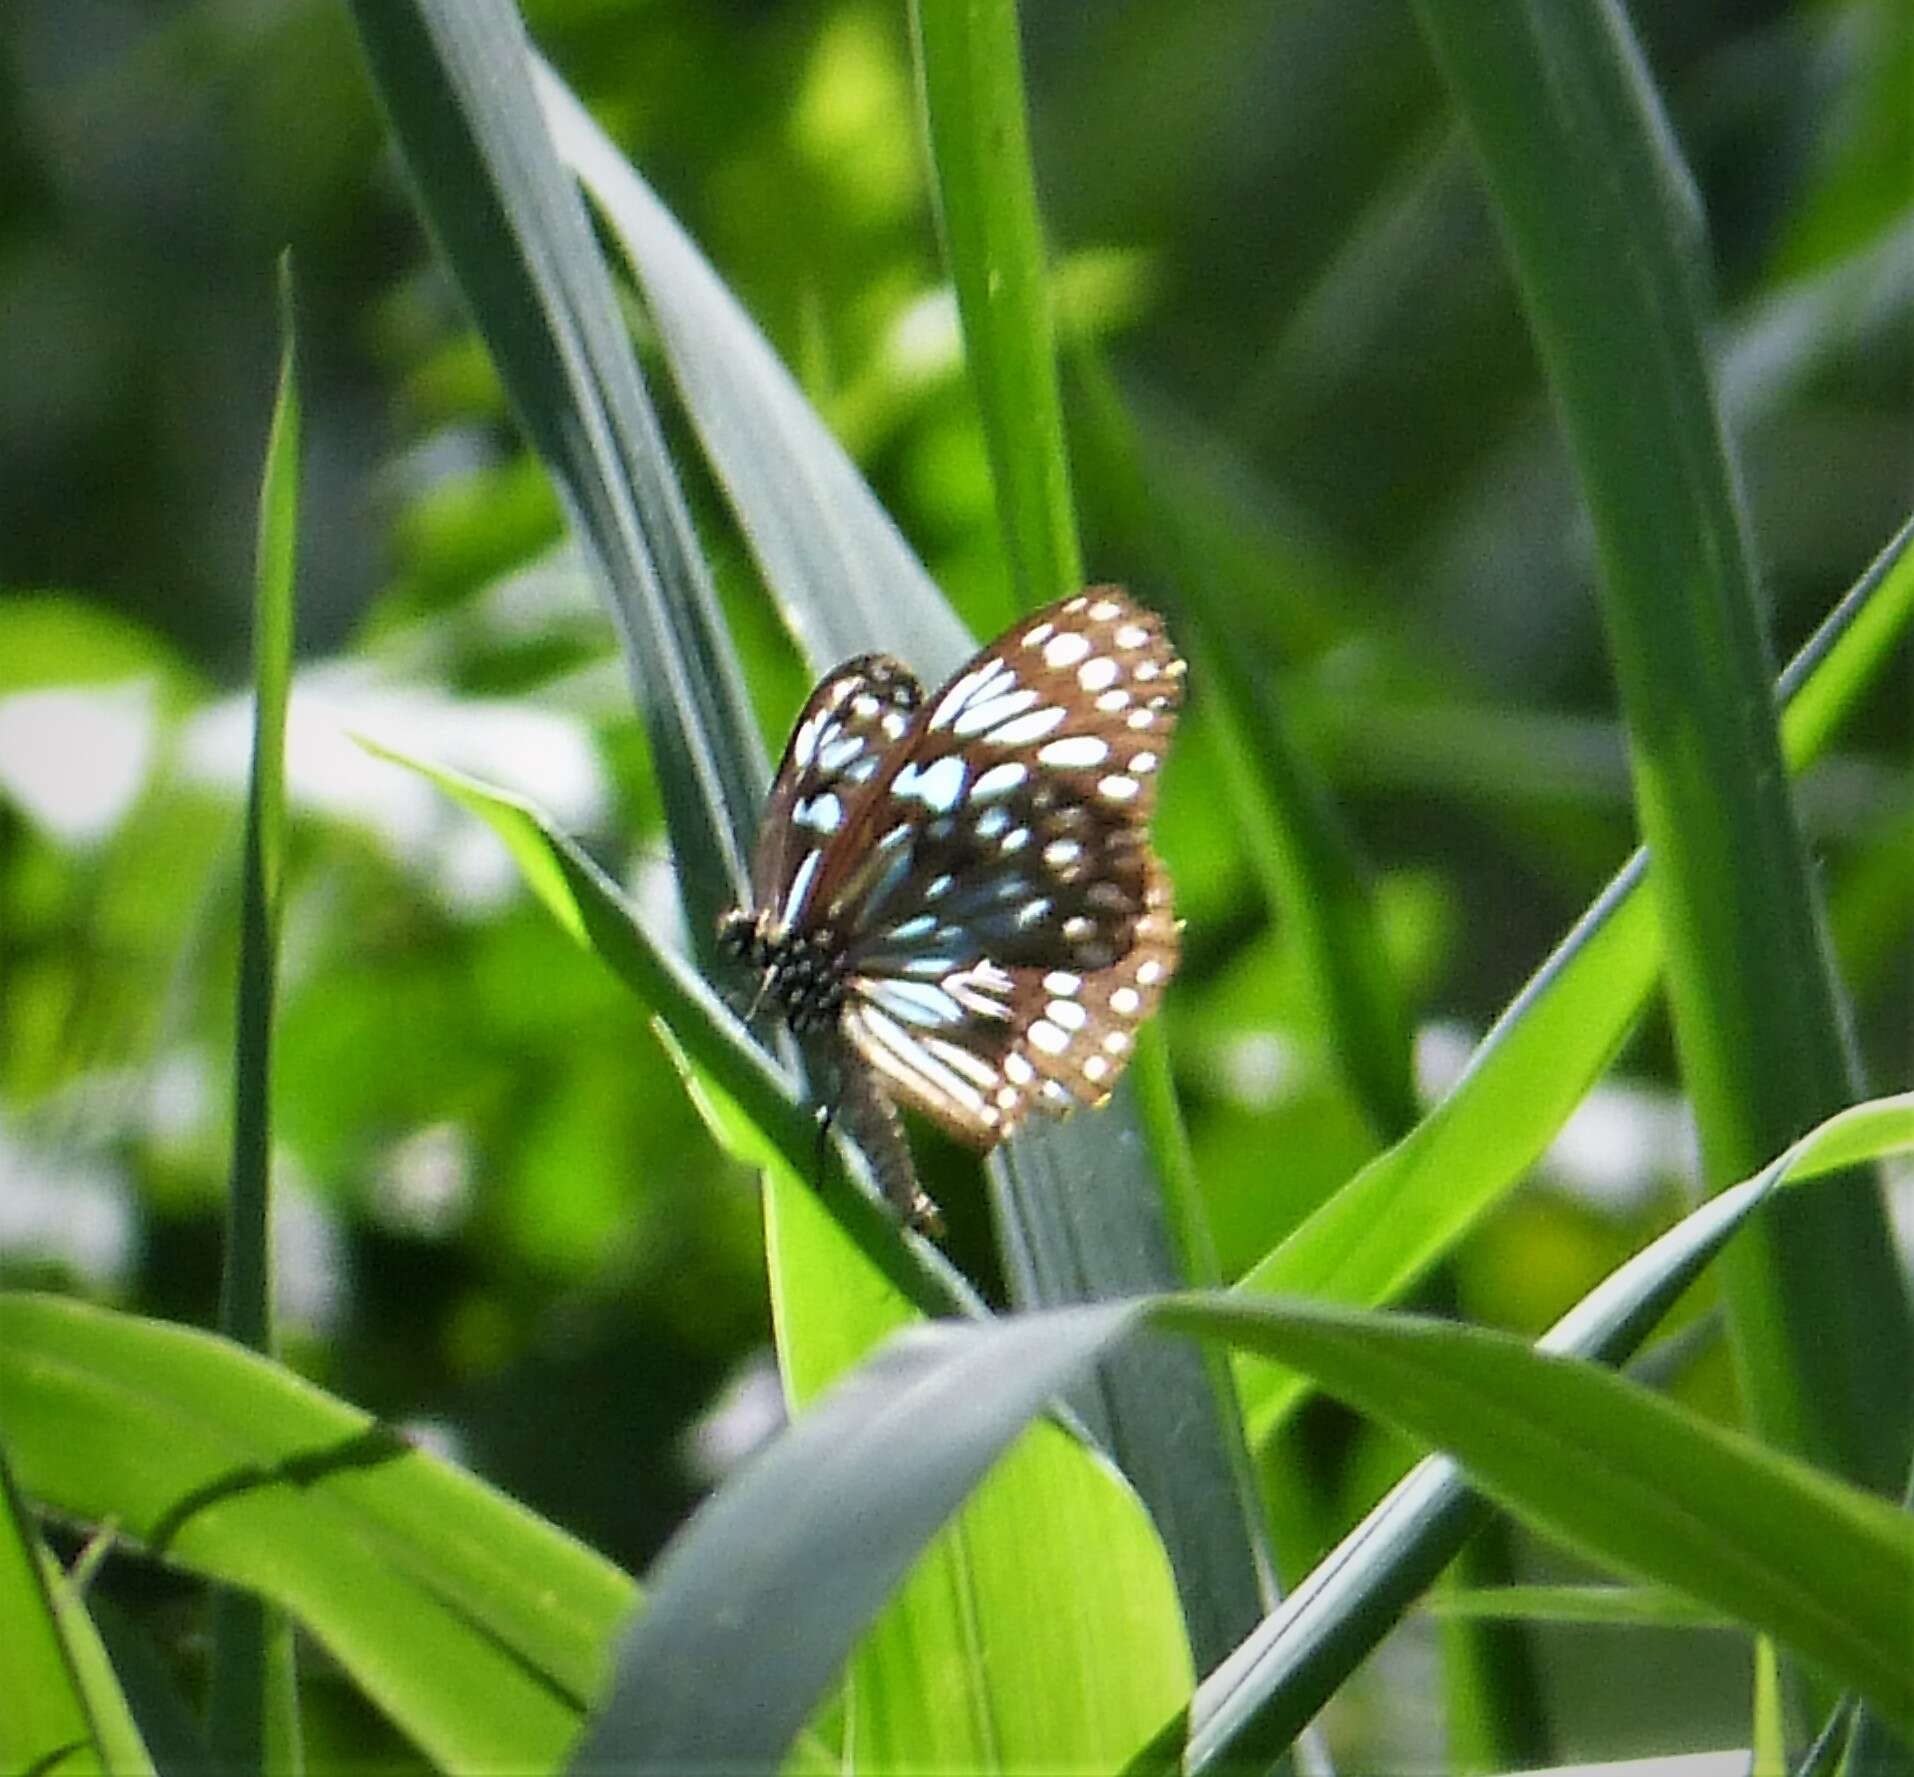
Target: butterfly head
point(801, 973)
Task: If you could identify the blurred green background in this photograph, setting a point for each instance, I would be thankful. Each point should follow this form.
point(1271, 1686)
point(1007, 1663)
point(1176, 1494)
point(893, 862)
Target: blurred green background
point(502, 1226)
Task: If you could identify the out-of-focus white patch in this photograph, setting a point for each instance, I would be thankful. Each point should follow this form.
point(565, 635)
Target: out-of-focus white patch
point(1619, 1145)
point(538, 753)
point(746, 1415)
point(176, 1098)
point(925, 342)
point(75, 758)
point(652, 889)
point(64, 1211)
point(1259, 1069)
point(310, 1288)
point(437, 1437)
point(424, 1186)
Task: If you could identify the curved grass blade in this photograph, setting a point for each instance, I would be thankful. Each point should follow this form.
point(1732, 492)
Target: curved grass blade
point(784, 1567)
point(845, 580)
point(252, 1706)
point(1409, 1206)
point(1602, 228)
point(1301, 1653)
point(50, 1722)
point(1040, 1630)
point(587, 904)
point(478, 1628)
point(455, 78)
point(1084, 1214)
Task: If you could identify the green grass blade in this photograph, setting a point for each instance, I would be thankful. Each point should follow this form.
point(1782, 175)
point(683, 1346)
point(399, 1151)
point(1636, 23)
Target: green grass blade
point(48, 1723)
point(845, 580)
point(774, 1580)
point(1084, 1215)
point(971, 72)
point(590, 909)
point(1040, 1630)
point(1409, 1207)
point(1635, 1607)
point(1598, 216)
point(455, 77)
point(1282, 1675)
point(124, 1751)
point(253, 1699)
point(478, 1628)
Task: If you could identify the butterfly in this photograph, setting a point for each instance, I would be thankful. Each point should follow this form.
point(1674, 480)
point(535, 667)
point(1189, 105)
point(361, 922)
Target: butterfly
point(954, 898)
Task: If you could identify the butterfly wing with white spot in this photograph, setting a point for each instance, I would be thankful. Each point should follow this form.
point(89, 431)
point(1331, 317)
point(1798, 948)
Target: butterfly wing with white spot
point(1006, 923)
point(844, 734)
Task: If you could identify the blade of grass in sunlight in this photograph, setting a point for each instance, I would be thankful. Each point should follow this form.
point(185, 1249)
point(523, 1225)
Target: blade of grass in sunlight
point(1409, 1207)
point(772, 1582)
point(54, 1719)
point(476, 1626)
point(590, 909)
point(820, 537)
point(1085, 1214)
point(455, 78)
point(1604, 233)
point(1041, 1629)
point(970, 70)
point(1297, 1658)
point(844, 578)
point(252, 1708)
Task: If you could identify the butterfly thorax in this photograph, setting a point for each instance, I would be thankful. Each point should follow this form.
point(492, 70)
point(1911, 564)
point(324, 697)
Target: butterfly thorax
point(802, 972)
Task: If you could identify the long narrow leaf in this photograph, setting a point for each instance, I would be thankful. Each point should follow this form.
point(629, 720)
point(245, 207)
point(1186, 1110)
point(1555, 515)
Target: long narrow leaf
point(1302, 1652)
point(456, 80)
point(1600, 224)
point(779, 1572)
point(1410, 1206)
point(477, 1627)
point(590, 909)
point(253, 1703)
point(1084, 1215)
point(1084, 1212)
point(47, 1723)
point(845, 580)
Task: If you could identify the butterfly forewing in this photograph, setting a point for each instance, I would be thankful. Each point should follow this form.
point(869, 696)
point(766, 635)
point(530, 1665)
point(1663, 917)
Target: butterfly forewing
point(1003, 923)
point(848, 728)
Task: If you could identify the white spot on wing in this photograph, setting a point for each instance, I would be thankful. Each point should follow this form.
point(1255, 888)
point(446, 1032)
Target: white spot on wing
point(999, 780)
point(1061, 981)
point(1047, 1037)
point(1066, 1013)
point(937, 786)
point(1098, 674)
point(1065, 649)
point(1125, 1001)
point(1020, 731)
point(1116, 788)
point(1075, 749)
point(994, 710)
point(801, 881)
point(1132, 635)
